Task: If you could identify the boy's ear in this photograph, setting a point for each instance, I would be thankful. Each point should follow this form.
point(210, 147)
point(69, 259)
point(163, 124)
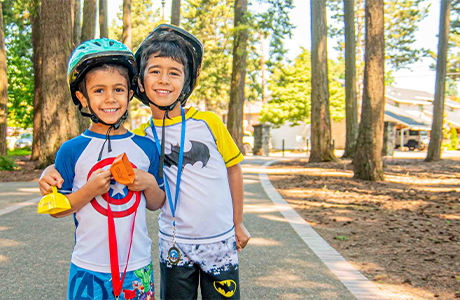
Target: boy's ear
point(141, 87)
point(82, 99)
point(131, 93)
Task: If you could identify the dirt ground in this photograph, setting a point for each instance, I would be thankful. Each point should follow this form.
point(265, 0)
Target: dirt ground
point(26, 171)
point(403, 234)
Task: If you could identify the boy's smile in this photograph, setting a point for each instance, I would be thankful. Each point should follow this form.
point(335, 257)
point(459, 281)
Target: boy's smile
point(108, 94)
point(163, 80)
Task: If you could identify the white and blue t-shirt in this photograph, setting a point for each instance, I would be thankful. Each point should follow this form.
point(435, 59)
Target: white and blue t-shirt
point(76, 160)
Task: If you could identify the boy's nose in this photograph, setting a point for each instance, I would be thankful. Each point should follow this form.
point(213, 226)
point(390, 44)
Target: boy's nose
point(110, 96)
point(164, 78)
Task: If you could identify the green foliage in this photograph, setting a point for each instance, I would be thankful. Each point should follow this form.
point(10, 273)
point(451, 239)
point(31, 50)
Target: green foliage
point(341, 238)
point(290, 85)
point(212, 22)
point(7, 164)
point(401, 23)
point(143, 21)
point(20, 152)
point(19, 53)
point(453, 139)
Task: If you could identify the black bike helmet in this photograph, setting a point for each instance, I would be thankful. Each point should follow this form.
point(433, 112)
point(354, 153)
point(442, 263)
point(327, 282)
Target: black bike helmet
point(194, 52)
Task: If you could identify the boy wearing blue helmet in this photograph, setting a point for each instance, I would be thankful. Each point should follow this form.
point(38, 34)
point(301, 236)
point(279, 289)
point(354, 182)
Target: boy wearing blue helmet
point(106, 259)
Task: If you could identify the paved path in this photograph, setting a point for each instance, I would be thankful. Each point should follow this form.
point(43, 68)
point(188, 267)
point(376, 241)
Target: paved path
point(277, 264)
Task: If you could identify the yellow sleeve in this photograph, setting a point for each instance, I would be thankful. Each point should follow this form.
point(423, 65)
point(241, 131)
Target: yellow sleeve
point(225, 144)
point(141, 129)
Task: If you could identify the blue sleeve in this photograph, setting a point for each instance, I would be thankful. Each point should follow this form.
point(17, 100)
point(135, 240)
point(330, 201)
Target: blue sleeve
point(65, 165)
point(150, 149)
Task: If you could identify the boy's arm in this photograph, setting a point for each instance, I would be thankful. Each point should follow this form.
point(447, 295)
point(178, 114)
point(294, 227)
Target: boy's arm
point(50, 177)
point(235, 180)
point(98, 184)
point(146, 182)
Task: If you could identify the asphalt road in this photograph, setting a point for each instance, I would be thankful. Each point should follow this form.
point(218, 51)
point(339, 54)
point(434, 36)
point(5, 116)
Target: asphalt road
point(35, 250)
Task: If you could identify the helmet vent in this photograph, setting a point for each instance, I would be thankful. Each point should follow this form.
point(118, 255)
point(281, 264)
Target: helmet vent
point(98, 44)
point(82, 47)
point(111, 43)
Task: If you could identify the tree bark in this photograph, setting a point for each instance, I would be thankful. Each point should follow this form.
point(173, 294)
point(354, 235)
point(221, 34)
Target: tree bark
point(3, 88)
point(58, 110)
point(367, 162)
point(237, 97)
point(76, 23)
point(351, 103)
point(126, 36)
point(175, 12)
point(434, 148)
point(88, 30)
point(320, 114)
point(37, 60)
point(103, 19)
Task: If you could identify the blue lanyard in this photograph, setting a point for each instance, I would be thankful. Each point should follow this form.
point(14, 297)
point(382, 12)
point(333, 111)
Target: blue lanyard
point(179, 165)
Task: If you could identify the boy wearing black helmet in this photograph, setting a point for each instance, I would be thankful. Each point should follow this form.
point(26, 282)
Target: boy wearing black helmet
point(201, 223)
point(102, 74)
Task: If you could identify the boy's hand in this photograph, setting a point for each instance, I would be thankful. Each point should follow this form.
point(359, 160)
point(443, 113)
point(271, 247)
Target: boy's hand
point(99, 182)
point(242, 236)
point(142, 181)
point(50, 177)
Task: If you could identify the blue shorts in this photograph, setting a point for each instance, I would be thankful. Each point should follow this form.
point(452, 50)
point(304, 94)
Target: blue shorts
point(85, 284)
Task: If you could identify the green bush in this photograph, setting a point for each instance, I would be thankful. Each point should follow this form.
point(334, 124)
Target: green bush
point(453, 139)
point(20, 152)
point(7, 164)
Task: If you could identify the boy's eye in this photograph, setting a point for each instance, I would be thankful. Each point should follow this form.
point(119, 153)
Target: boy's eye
point(119, 90)
point(175, 73)
point(154, 71)
point(99, 91)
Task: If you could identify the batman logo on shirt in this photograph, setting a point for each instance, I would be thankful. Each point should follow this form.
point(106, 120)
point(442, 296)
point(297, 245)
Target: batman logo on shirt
point(226, 288)
point(198, 152)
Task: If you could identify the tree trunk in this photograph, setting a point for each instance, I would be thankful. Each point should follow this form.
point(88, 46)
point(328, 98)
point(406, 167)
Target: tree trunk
point(351, 104)
point(3, 88)
point(175, 12)
point(320, 115)
point(434, 148)
point(77, 23)
point(37, 60)
point(126, 36)
point(367, 162)
point(88, 30)
point(235, 107)
point(58, 110)
point(103, 19)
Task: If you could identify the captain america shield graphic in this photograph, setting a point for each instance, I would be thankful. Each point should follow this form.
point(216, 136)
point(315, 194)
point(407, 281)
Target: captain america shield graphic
point(123, 202)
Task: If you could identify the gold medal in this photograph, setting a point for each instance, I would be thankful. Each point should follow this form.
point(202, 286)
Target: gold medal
point(174, 255)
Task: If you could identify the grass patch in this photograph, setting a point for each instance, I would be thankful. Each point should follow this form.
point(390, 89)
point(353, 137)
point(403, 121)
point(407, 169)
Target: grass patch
point(7, 164)
point(20, 152)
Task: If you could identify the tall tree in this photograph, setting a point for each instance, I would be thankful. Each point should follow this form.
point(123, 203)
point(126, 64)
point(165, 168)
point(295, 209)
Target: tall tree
point(320, 114)
point(88, 30)
point(126, 37)
point(351, 103)
point(37, 64)
point(58, 110)
point(3, 88)
point(103, 19)
point(212, 21)
point(175, 12)
point(434, 148)
point(235, 107)
point(76, 23)
point(367, 163)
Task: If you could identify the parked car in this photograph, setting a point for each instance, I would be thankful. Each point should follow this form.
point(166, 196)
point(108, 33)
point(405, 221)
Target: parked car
point(248, 141)
point(25, 140)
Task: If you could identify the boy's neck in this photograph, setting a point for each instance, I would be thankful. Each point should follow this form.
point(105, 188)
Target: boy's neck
point(102, 129)
point(158, 113)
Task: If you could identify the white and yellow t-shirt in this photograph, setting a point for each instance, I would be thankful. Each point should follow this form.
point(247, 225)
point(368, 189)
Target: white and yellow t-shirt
point(204, 212)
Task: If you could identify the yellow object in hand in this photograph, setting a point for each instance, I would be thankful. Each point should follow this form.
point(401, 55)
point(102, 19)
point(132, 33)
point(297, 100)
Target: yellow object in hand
point(53, 203)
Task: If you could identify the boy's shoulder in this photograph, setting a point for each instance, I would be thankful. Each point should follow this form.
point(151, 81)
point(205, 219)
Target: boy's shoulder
point(207, 116)
point(145, 143)
point(75, 144)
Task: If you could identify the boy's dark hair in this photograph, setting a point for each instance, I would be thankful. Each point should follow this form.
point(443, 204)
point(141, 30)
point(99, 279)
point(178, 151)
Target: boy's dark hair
point(123, 71)
point(165, 44)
